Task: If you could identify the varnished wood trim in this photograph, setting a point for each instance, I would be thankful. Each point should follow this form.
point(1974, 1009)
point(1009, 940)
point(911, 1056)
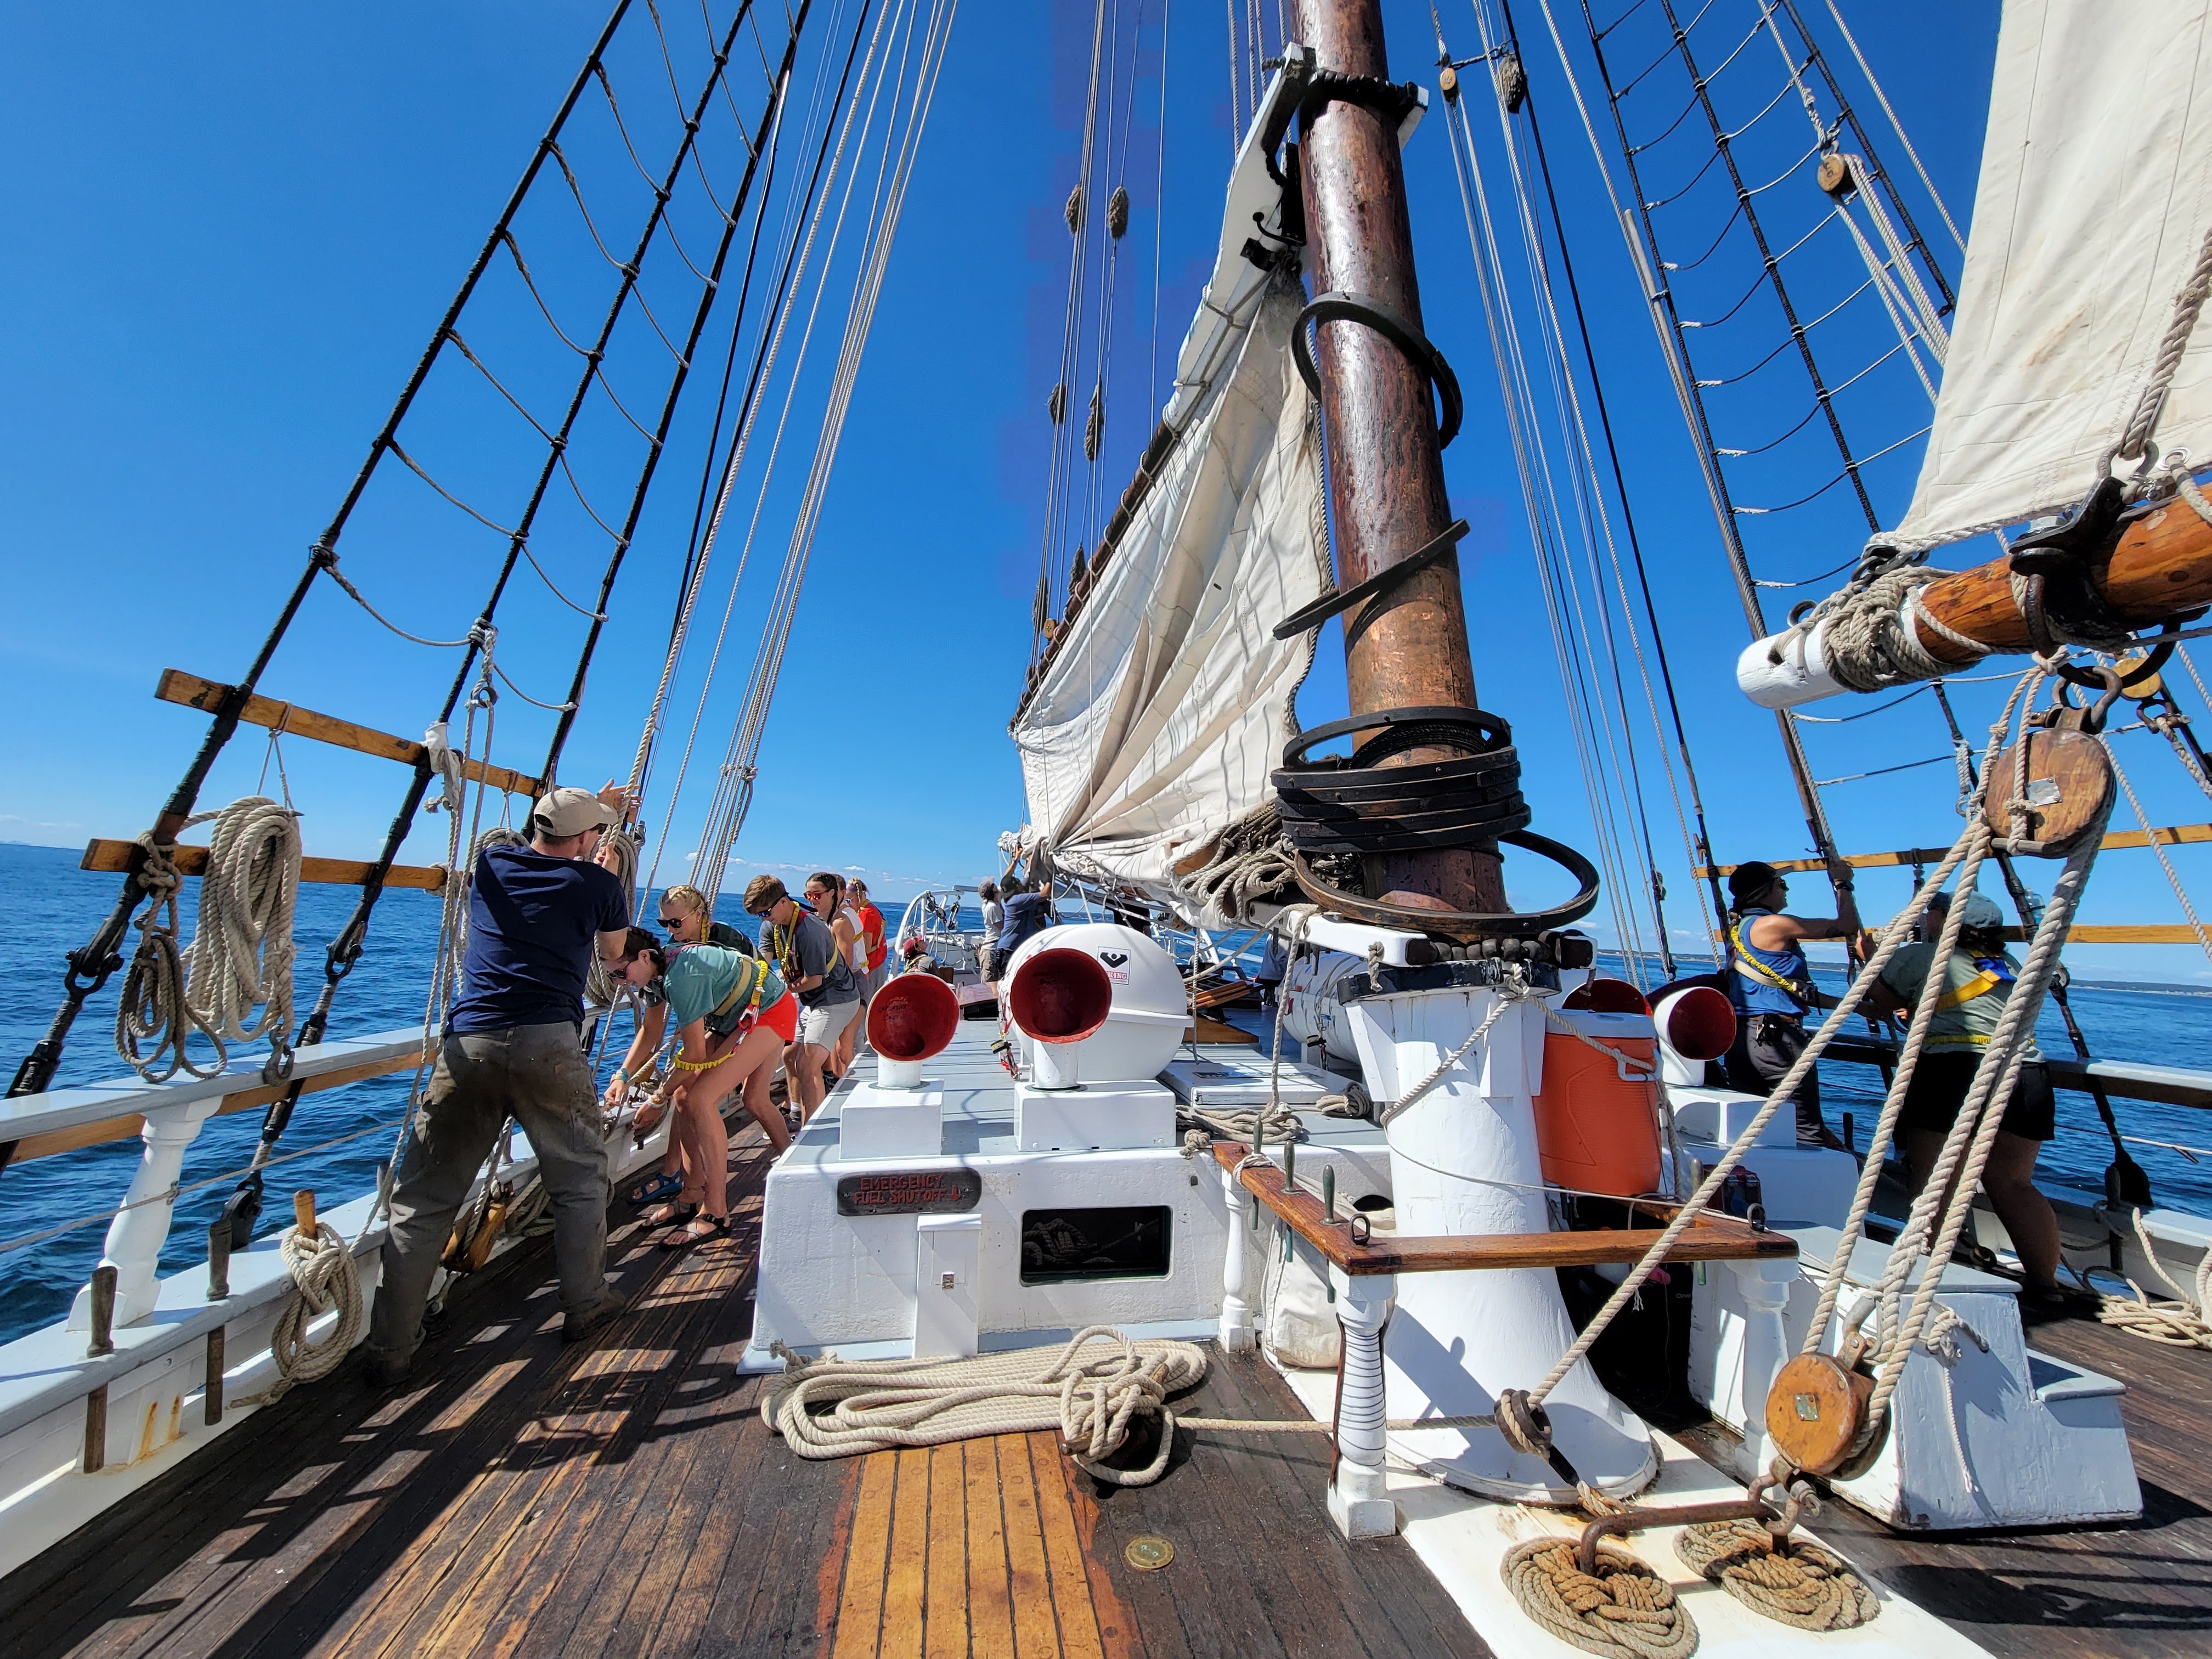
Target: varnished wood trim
point(122, 1128)
point(1716, 1238)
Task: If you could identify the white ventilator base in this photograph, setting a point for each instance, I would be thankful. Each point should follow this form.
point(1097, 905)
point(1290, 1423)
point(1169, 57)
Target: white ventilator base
point(1985, 1431)
point(1456, 1340)
point(1462, 1539)
point(879, 1123)
point(1095, 1117)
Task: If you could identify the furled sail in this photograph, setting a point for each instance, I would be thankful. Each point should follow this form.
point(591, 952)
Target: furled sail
point(1164, 708)
point(2096, 197)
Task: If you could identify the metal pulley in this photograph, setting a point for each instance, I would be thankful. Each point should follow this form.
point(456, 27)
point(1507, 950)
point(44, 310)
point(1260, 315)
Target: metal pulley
point(1073, 211)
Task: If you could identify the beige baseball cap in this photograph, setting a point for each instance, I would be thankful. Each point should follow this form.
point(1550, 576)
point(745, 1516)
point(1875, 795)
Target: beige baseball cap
point(565, 811)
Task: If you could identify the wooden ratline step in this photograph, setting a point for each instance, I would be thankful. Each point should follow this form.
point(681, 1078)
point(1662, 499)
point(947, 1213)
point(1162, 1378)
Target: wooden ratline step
point(115, 856)
point(2178, 835)
point(289, 720)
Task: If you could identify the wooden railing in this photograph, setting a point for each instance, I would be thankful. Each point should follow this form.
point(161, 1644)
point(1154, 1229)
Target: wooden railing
point(1711, 1238)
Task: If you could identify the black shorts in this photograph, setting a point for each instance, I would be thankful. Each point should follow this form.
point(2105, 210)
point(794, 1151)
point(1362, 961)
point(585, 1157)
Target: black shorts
point(1940, 1085)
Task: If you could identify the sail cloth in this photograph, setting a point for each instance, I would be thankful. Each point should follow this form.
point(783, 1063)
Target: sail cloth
point(1164, 709)
point(2095, 195)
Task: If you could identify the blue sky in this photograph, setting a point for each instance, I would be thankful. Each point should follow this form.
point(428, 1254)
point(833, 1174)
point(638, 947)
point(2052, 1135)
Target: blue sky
point(233, 231)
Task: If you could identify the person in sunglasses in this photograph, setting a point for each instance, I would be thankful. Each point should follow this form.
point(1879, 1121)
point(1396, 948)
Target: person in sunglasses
point(684, 916)
point(806, 952)
point(734, 1017)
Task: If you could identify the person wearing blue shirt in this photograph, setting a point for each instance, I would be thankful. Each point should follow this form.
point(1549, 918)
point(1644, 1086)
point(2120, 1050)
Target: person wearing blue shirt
point(512, 1048)
point(1770, 984)
point(1029, 913)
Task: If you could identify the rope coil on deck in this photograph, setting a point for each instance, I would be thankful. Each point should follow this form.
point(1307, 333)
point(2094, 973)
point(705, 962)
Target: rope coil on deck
point(1806, 1586)
point(2181, 1323)
point(1090, 1398)
point(1626, 1611)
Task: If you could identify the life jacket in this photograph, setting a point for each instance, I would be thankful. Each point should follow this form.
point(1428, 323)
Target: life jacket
point(1765, 981)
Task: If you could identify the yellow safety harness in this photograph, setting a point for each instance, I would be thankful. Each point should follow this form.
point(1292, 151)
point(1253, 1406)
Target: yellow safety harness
point(1958, 996)
point(1753, 968)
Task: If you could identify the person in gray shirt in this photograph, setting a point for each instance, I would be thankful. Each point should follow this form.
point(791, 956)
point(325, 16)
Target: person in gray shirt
point(805, 951)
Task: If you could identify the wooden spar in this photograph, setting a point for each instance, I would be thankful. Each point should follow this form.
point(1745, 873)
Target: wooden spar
point(2161, 565)
point(1406, 646)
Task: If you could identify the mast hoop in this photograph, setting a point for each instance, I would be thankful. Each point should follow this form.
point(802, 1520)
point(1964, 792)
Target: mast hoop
point(1340, 305)
point(1465, 925)
point(1333, 603)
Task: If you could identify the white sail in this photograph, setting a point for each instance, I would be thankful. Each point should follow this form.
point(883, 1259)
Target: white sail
point(1164, 710)
point(2095, 196)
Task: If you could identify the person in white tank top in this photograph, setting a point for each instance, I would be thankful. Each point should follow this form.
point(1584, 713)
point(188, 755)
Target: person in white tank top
point(826, 892)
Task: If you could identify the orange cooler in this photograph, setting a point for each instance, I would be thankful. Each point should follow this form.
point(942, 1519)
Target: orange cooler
point(1597, 1131)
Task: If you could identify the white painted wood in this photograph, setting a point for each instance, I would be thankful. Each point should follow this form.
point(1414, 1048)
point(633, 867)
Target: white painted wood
point(946, 1316)
point(1236, 1265)
point(1359, 1496)
point(880, 1123)
point(1799, 677)
point(1984, 1432)
point(1463, 1163)
point(136, 1235)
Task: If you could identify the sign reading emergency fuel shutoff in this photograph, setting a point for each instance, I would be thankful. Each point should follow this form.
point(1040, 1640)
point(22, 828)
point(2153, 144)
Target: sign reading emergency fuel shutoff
point(910, 1192)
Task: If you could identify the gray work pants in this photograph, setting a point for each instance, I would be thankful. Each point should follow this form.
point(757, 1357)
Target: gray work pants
point(536, 1075)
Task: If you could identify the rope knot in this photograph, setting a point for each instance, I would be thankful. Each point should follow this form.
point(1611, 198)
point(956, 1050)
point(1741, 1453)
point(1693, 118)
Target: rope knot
point(1526, 1425)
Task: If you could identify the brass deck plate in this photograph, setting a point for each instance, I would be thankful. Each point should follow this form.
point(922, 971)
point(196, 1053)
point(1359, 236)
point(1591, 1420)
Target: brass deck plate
point(1148, 1553)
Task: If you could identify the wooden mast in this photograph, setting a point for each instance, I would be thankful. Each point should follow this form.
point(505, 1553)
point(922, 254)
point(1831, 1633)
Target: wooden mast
point(1408, 645)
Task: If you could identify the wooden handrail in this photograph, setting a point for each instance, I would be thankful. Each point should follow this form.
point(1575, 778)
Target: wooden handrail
point(1714, 1238)
point(291, 721)
point(2173, 835)
point(115, 856)
point(122, 1128)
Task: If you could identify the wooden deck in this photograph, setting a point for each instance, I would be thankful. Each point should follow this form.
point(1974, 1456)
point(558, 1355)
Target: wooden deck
point(520, 1498)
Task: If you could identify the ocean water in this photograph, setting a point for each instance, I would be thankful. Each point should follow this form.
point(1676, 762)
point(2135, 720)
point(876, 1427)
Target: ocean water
point(51, 907)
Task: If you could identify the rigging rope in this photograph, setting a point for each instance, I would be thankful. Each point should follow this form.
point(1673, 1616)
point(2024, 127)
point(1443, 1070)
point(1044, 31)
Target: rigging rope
point(323, 1279)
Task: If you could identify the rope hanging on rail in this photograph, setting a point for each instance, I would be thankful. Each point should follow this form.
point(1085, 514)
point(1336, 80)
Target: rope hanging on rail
point(241, 954)
point(324, 1278)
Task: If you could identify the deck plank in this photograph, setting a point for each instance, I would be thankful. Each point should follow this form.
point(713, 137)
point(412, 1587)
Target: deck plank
point(1063, 1552)
point(990, 1615)
point(860, 1609)
point(944, 1614)
point(906, 1573)
point(1028, 1580)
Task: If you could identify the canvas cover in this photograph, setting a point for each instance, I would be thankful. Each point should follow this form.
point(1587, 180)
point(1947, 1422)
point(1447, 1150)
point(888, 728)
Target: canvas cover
point(2095, 195)
point(1162, 712)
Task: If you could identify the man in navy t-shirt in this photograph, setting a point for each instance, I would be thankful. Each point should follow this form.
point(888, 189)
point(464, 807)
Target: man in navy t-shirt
point(1029, 913)
point(513, 1049)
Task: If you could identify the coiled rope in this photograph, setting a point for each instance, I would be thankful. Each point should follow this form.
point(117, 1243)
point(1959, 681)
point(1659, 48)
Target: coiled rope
point(1622, 1611)
point(323, 1277)
point(1805, 1585)
point(241, 953)
point(1090, 1398)
point(2180, 1324)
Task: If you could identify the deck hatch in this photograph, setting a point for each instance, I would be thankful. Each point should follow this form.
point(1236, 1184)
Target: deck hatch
point(1060, 1246)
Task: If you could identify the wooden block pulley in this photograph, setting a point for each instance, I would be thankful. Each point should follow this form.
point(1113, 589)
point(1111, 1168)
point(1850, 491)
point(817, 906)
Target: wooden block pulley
point(2068, 795)
point(1815, 1411)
